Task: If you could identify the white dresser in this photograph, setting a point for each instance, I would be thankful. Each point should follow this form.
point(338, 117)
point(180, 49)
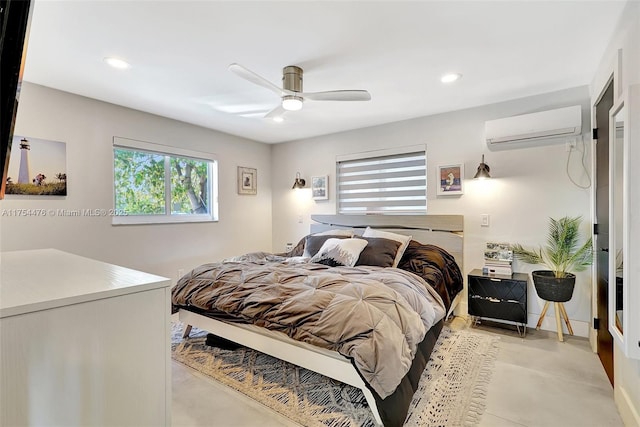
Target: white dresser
point(82, 342)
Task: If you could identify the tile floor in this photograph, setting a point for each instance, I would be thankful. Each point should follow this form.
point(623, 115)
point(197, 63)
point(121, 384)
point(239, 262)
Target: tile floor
point(541, 382)
point(537, 381)
point(200, 401)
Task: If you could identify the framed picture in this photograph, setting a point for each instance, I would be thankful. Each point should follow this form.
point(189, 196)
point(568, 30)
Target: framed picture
point(450, 179)
point(247, 181)
point(37, 167)
point(319, 189)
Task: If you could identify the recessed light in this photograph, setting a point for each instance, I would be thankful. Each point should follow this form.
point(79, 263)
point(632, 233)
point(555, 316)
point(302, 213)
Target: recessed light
point(450, 78)
point(118, 63)
point(278, 119)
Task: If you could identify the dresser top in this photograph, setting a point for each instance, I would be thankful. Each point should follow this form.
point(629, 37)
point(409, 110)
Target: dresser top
point(42, 279)
point(514, 276)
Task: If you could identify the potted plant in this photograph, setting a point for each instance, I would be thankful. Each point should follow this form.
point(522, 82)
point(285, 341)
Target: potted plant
point(562, 255)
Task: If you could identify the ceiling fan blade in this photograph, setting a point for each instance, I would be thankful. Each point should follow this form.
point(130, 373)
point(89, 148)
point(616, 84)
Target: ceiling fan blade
point(338, 95)
point(276, 112)
point(247, 74)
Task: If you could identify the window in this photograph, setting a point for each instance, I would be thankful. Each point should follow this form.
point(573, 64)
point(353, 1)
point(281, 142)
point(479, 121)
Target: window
point(384, 182)
point(160, 184)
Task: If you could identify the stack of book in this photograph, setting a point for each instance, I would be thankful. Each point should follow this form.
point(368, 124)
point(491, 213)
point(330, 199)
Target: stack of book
point(498, 258)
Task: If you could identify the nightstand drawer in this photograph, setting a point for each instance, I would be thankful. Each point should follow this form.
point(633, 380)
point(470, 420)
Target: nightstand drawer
point(498, 288)
point(497, 309)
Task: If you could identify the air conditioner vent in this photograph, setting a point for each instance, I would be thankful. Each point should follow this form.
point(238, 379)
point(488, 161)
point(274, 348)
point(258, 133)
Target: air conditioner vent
point(544, 125)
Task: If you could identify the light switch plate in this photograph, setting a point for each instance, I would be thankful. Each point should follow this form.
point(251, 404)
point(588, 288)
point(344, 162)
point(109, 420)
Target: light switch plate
point(484, 220)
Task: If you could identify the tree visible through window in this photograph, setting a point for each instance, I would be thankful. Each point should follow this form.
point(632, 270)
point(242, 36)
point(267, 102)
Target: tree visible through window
point(156, 185)
point(139, 182)
point(189, 186)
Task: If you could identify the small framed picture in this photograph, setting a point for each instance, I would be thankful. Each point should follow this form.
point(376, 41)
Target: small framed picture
point(247, 181)
point(450, 179)
point(319, 189)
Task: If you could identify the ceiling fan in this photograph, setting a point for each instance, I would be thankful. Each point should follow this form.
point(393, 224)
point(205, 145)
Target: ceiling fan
point(291, 92)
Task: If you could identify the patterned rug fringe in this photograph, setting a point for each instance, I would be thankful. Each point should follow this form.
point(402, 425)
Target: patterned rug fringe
point(452, 389)
point(478, 401)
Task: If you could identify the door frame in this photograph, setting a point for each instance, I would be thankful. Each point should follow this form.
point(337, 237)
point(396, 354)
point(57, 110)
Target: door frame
point(601, 84)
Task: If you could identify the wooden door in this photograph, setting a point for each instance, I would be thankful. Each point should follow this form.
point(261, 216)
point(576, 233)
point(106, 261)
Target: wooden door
point(605, 340)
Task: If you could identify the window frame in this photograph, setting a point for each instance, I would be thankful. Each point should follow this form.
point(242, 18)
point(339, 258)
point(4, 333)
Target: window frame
point(168, 152)
point(376, 155)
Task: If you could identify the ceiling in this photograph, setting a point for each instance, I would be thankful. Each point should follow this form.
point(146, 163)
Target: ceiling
point(179, 52)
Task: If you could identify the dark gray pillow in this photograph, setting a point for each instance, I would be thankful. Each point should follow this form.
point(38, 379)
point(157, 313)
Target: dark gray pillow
point(313, 244)
point(379, 251)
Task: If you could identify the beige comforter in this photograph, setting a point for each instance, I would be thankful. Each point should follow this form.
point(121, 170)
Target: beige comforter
point(376, 316)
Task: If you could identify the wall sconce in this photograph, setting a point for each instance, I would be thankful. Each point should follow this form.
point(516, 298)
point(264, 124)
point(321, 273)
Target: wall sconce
point(299, 182)
point(483, 170)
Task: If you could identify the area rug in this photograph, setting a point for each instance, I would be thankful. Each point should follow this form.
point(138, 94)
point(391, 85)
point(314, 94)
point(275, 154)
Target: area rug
point(451, 392)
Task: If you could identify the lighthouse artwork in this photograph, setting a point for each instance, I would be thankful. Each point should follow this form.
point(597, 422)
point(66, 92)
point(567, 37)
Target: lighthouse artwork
point(38, 168)
point(23, 175)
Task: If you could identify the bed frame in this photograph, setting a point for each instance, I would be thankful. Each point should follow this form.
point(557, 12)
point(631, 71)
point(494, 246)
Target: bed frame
point(441, 230)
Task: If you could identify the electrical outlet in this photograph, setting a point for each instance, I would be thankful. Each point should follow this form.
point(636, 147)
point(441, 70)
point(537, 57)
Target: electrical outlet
point(300, 219)
point(288, 247)
point(570, 145)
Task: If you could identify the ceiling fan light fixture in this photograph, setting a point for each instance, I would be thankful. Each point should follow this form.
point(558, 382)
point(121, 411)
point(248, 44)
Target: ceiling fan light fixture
point(291, 94)
point(291, 103)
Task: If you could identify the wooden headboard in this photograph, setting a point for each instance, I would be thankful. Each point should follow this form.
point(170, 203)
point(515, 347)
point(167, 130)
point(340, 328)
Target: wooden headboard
point(445, 231)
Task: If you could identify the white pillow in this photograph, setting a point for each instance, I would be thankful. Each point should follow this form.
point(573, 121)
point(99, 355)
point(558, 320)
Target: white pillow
point(336, 252)
point(313, 243)
point(342, 232)
point(404, 241)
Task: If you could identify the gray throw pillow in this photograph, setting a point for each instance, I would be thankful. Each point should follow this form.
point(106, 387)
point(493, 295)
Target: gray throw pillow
point(379, 251)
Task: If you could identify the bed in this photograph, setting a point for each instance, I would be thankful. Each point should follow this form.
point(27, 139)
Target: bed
point(369, 326)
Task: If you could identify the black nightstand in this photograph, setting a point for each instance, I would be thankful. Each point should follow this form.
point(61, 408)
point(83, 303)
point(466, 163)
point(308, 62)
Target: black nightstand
point(499, 297)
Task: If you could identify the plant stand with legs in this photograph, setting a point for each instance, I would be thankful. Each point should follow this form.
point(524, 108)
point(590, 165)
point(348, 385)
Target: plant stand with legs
point(560, 311)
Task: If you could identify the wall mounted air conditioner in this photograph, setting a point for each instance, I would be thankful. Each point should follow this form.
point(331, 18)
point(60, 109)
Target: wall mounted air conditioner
point(544, 125)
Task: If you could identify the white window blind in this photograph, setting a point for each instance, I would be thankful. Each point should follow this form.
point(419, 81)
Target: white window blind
point(393, 184)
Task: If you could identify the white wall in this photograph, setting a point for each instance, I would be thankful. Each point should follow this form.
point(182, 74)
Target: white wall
point(627, 37)
point(527, 187)
point(88, 126)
